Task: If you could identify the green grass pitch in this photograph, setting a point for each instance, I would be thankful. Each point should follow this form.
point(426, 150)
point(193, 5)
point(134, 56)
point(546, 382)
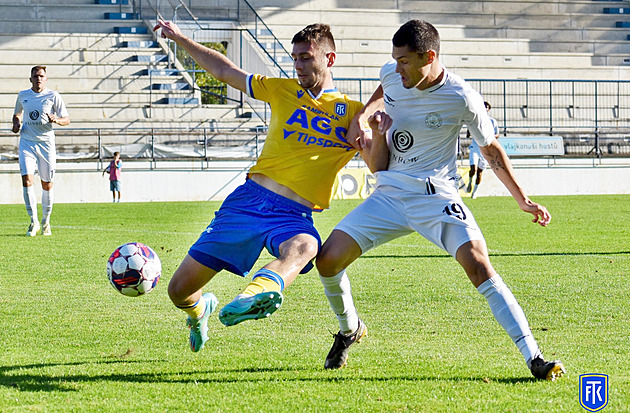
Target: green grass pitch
point(70, 342)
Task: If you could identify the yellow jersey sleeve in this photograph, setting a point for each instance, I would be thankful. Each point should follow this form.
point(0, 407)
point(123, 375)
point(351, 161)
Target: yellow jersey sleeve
point(306, 144)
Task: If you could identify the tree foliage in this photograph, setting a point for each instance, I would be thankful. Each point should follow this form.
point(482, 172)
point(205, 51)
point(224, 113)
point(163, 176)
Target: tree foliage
point(213, 90)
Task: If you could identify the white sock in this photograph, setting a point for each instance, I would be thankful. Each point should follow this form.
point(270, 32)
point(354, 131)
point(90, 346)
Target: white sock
point(510, 315)
point(339, 296)
point(30, 200)
point(47, 204)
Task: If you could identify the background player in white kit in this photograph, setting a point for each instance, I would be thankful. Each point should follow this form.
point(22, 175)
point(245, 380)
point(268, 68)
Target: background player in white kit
point(428, 106)
point(476, 159)
point(36, 109)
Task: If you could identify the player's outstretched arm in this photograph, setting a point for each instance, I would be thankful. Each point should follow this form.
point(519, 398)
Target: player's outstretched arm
point(214, 62)
point(502, 167)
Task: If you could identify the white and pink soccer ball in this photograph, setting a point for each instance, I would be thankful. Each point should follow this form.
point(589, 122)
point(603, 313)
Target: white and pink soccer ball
point(134, 269)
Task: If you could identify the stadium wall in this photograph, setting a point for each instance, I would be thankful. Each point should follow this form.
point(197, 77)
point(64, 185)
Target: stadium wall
point(175, 181)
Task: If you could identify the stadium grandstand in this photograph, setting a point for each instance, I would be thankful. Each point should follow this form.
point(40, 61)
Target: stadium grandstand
point(549, 68)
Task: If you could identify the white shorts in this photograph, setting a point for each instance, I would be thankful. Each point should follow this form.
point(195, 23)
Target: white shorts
point(40, 156)
point(390, 212)
point(476, 158)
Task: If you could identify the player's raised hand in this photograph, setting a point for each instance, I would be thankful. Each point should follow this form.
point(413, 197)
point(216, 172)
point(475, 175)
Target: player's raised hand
point(169, 29)
point(540, 213)
point(380, 121)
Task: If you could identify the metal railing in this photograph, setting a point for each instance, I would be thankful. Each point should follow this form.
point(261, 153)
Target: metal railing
point(540, 106)
point(148, 144)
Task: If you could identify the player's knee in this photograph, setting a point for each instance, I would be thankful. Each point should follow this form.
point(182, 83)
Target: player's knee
point(303, 246)
point(176, 290)
point(308, 249)
point(27, 180)
point(329, 262)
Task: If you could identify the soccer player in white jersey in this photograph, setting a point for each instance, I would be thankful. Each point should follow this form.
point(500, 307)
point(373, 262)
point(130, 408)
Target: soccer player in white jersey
point(476, 160)
point(428, 105)
point(36, 110)
point(304, 149)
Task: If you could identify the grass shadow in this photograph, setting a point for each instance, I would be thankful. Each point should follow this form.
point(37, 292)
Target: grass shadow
point(502, 254)
point(33, 382)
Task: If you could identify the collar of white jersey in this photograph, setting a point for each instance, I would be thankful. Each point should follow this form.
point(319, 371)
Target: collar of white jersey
point(437, 86)
point(45, 90)
point(321, 92)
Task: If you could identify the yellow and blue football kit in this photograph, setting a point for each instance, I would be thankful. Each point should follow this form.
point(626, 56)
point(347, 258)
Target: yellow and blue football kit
point(304, 150)
point(306, 145)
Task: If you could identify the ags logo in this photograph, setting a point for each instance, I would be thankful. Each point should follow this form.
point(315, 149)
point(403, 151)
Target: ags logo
point(320, 125)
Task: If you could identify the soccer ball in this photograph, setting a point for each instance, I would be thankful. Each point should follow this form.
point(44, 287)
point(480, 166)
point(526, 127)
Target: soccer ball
point(134, 269)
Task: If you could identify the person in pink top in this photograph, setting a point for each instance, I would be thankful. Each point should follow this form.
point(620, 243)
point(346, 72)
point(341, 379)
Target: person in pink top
point(114, 175)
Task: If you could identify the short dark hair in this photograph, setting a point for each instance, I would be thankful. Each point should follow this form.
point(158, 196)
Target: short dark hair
point(318, 33)
point(420, 36)
point(36, 68)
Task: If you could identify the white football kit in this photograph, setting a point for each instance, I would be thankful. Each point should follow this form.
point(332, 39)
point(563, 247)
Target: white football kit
point(418, 190)
point(37, 138)
point(474, 153)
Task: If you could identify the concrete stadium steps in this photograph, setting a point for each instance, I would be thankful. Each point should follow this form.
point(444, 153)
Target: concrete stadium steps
point(102, 75)
point(78, 98)
point(49, 11)
point(30, 3)
point(112, 83)
point(486, 72)
point(535, 7)
point(486, 6)
point(87, 56)
point(383, 25)
point(392, 19)
point(593, 73)
point(495, 46)
point(8, 25)
point(519, 33)
point(88, 70)
point(75, 41)
point(159, 116)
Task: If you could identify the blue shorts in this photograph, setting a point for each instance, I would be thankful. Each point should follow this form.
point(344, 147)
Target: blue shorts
point(250, 219)
point(114, 186)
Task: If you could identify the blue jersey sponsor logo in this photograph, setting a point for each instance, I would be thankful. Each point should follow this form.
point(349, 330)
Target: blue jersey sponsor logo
point(593, 391)
point(300, 93)
point(323, 142)
point(319, 124)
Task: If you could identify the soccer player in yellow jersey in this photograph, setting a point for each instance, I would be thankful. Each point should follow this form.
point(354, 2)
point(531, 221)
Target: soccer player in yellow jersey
point(306, 146)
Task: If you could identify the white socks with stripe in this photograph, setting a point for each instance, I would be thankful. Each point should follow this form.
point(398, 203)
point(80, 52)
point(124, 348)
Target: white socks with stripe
point(510, 315)
point(339, 296)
